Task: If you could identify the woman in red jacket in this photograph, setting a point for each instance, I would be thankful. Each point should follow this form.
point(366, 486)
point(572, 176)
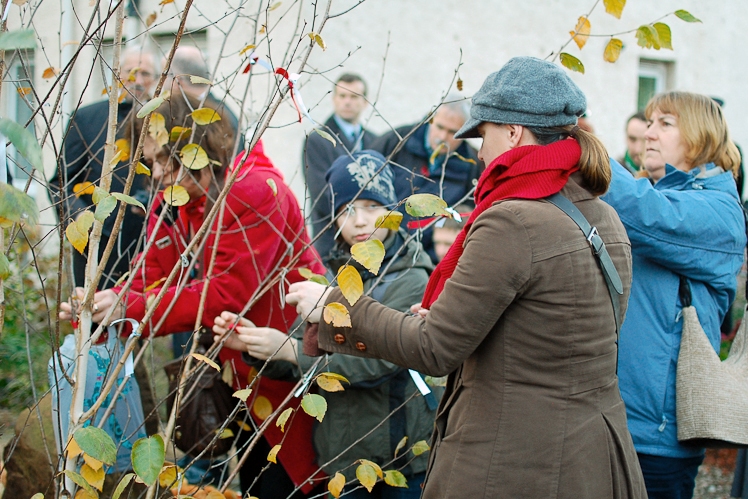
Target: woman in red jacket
point(258, 240)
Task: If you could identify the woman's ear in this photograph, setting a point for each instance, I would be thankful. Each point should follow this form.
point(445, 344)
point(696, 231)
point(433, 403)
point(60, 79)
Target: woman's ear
point(515, 132)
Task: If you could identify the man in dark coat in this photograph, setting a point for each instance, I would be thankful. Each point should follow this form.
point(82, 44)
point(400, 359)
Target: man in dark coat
point(432, 160)
point(83, 158)
point(349, 102)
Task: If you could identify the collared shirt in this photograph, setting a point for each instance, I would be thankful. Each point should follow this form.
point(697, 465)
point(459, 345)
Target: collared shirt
point(351, 130)
point(437, 164)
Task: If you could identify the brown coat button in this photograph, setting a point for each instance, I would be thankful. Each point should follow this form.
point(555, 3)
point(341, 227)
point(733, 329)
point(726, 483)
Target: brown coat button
point(360, 345)
point(339, 338)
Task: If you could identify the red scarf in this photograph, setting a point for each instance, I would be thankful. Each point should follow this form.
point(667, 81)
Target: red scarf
point(528, 172)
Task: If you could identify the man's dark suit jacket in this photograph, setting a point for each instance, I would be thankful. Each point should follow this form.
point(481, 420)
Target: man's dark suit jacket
point(317, 156)
point(82, 160)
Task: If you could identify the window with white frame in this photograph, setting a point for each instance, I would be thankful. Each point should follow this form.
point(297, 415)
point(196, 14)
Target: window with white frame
point(654, 78)
point(18, 105)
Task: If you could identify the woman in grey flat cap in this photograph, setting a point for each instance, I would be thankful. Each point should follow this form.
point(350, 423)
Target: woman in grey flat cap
point(519, 314)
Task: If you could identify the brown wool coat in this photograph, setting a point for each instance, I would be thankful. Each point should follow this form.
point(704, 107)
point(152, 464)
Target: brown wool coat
point(526, 332)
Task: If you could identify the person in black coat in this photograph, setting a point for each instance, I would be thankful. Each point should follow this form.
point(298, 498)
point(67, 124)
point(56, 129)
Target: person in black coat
point(82, 160)
point(432, 161)
point(349, 103)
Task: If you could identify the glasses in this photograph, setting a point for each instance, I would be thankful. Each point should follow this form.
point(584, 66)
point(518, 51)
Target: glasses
point(350, 209)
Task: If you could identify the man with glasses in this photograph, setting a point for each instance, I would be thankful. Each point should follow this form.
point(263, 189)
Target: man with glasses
point(432, 160)
point(82, 161)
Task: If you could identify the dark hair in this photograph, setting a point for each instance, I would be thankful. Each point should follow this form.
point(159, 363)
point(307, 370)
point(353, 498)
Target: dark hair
point(637, 116)
point(217, 138)
point(594, 163)
point(351, 78)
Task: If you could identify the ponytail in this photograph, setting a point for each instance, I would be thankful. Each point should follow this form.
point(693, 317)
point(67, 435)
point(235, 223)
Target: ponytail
point(594, 163)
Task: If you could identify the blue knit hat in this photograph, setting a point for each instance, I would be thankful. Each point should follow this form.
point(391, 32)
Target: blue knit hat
point(365, 169)
point(526, 91)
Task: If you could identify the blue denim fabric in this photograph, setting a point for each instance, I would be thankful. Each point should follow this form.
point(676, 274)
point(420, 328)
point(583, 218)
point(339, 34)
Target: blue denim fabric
point(669, 477)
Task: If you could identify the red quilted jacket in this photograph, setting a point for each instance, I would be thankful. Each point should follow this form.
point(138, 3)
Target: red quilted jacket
point(262, 237)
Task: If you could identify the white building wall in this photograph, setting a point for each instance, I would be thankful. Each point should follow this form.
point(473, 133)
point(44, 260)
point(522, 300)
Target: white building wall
point(424, 42)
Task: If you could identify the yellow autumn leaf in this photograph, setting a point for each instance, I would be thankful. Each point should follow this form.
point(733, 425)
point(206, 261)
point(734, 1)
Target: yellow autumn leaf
point(581, 32)
point(425, 205)
point(23, 91)
point(77, 231)
point(164, 2)
point(336, 484)
point(684, 15)
point(283, 419)
point(613, 50)
point(73, 449)
point(176, 195)
point(242, 394)
point(227, 373)
point(246, 49)
point(273, 454)
point(329, 384)
point(320, 42)
point(95, 478)
point(420, 447)
point(141, 169)
point(179, 132)
point(94, 463)
point(369, 254)
point(194, 157)
point(374, 466)
point(158, 122)
point(205, 116)
point(311, 276)
point(225, 433)
point(394, 478)
point(50, 73)
point(336, 314)
point(401, 445)
point(157, 129)
point(391, 220)
point(244, 426)
point(169, 474)
point(274, 6)
point(83, 188)
point(150, 19)
point(314, 405)
point(262, 407)
point(663, 35)
point(614, 7)
point(208, 361)
point(121, 151)
point(570, 62)
point(647, 37)
point(199, 80)
point(84, 494)
point(366, 475)
point(351, 284)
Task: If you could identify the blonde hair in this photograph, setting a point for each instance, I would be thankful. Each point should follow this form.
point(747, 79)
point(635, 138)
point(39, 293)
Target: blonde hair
point(594, 163)
point(702, 126)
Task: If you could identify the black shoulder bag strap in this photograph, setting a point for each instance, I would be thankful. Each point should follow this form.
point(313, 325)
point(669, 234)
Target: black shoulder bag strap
point(612, 279)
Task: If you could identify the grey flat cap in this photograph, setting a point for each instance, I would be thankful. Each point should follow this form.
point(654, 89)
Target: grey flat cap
point(526, 91)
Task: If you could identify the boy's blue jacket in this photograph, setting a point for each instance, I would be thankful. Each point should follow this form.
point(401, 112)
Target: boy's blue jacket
point(688, 224)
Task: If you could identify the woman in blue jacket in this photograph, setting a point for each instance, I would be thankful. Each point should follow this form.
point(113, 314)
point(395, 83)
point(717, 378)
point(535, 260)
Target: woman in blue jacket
point(687, 223)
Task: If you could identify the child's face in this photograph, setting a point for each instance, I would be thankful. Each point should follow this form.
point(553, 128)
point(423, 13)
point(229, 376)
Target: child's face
point(443, 240)
point(358, 221)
